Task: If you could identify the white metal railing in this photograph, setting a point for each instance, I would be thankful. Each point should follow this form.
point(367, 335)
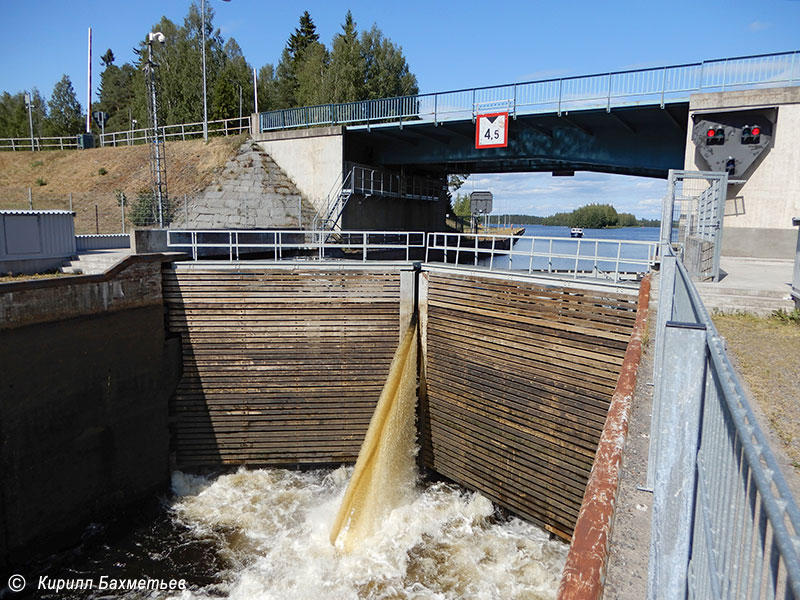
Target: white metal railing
point(724, 522)
point(600, 257)
point(280, 244)
point(606, 90)
point(372, 181)
point(182, 131)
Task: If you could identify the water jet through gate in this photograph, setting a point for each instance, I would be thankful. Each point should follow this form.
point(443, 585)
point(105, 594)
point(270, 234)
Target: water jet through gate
point(385, 471)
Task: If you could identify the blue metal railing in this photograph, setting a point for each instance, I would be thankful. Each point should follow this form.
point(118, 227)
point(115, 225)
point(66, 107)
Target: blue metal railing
point(725, 524)
point(608, 90)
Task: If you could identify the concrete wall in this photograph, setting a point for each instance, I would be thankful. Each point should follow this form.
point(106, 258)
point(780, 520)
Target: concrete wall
point(85, 381)
point(312, 158)
point(252, 192)
point(394, 214)
point(758, 213)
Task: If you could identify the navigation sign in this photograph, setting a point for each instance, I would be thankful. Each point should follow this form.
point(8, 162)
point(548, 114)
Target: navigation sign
point(491, 130)
point(100, 118)
point(480, 203)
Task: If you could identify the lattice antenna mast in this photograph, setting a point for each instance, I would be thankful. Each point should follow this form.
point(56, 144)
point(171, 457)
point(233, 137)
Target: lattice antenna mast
point(158, 165)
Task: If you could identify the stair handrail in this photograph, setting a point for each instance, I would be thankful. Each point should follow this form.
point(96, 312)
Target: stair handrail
point(334, 191)
point(334, 203)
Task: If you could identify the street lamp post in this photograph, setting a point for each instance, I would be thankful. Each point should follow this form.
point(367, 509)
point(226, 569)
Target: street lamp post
point(29, 104)
point(159, 172)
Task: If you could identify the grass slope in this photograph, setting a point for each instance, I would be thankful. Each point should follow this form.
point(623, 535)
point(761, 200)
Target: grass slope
point(92, 176)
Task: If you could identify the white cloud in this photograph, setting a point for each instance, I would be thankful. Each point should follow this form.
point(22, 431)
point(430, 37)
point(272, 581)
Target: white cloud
point(758, 26)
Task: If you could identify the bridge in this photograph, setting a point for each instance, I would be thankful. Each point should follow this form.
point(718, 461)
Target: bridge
point(627, 122)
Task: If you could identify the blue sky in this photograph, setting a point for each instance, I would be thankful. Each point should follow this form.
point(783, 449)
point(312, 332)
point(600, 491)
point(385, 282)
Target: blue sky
point(448, 45)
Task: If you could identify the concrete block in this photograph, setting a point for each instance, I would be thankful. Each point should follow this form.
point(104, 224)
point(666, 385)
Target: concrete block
point(145, 241)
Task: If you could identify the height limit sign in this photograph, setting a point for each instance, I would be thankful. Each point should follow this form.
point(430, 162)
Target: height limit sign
point(491, 130)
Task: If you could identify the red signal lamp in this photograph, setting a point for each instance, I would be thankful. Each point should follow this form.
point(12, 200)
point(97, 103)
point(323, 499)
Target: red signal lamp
point(750, 135)
point(715, 136)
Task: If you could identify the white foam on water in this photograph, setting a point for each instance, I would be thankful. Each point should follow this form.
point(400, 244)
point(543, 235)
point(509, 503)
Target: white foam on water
point(272, 526)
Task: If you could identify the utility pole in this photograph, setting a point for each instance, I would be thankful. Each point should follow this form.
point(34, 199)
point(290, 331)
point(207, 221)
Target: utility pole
point(89, 89)
point(205, 102)
point(255, 89)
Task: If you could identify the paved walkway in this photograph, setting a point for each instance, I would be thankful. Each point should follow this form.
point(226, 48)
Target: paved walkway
point(90, 262)
point(754, 285)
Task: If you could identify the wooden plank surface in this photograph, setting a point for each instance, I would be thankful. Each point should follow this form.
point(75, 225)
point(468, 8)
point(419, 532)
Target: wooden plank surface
point(280, 367)
point(518, 380)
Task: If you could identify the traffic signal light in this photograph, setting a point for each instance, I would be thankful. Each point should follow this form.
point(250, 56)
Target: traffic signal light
point(730, 166)
point(715, 136)
point(751, 134)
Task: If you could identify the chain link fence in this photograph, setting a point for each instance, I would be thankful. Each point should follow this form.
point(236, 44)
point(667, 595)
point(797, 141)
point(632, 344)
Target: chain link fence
point(99, 212)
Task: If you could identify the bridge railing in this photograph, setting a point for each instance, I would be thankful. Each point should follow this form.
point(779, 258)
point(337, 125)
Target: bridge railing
point(602, 258)
point(604, 90)
point(724, 524)
point(181, 131)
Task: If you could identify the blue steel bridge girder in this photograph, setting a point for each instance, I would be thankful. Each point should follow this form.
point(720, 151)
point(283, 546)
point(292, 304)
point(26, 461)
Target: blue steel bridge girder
point(645, 140)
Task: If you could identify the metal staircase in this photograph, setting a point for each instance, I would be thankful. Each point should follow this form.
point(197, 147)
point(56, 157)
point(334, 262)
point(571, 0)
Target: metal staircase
point(329, 219)
point(367, 181)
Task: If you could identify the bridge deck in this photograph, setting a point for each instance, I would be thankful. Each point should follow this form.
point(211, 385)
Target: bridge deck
point(656, 86)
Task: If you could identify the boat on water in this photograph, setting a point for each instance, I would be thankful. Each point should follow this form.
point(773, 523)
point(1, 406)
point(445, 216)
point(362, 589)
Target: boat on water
point(576, 232)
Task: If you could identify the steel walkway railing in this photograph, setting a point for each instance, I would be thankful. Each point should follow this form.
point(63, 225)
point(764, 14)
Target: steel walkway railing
point(604, 91)
point(606, 258)
point(725, 524)
point(280, 244)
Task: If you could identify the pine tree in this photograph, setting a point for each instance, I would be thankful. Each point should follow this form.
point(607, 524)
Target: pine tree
point(303, 36)
point(116, 93)
point(65, 117)
point(386, 71)
point(345, 81)
point(267, 89)
point(311, 69)
point(108, 58)
point(287, 82)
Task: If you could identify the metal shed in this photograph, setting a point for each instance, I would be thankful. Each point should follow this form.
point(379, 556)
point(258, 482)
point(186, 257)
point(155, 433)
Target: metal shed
point(32, 241)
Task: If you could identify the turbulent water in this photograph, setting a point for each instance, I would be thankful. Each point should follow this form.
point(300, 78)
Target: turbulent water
point(313, 535)
point(272, 528)
point(267, 534)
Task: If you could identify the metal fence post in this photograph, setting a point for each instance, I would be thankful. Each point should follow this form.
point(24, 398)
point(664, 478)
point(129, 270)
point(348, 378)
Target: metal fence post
point(683, 383)
point(666, 294)
point(665, 235)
